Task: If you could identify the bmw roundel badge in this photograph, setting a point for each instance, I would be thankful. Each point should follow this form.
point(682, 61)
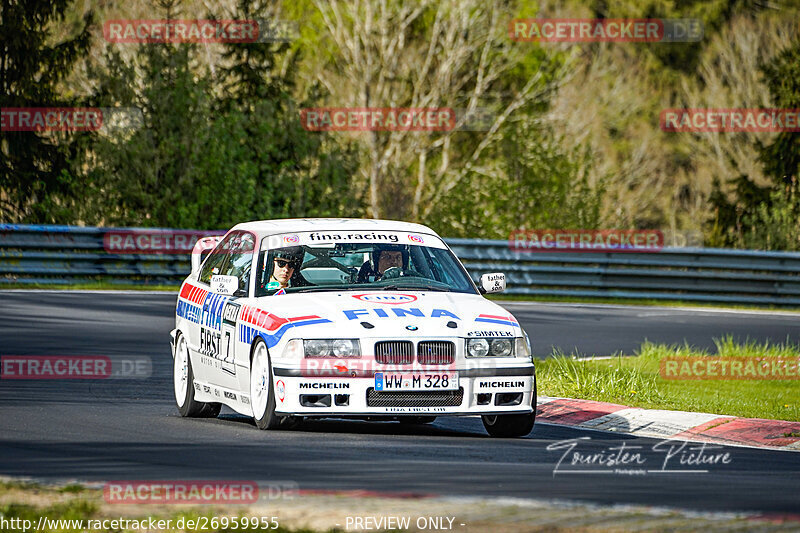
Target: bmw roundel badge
point(412, 328)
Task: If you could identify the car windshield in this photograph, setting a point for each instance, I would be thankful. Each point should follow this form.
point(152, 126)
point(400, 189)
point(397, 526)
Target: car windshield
point(359, 266)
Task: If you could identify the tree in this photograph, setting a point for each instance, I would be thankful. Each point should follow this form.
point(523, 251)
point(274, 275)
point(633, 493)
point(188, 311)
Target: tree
point(766, 217)
point(218, 144)
point(428, 55)
point(35, 185)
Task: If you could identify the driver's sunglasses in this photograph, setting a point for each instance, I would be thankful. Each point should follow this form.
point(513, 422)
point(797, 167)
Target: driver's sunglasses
point(283, 264)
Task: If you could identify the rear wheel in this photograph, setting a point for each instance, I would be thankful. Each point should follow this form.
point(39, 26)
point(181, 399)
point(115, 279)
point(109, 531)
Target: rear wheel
point(262, 395)
point(183, 383)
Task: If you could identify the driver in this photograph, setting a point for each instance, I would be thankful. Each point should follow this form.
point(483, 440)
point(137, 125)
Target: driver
point(284, 264)
point(384, 257)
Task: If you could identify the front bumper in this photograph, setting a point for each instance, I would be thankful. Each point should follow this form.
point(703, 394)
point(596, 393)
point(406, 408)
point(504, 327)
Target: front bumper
point(481, 391)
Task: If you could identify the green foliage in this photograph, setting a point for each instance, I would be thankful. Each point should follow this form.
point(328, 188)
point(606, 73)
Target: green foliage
point(213, 150)
point(781, 158)
point(537, 185)
point(34, 184)
point(771, 220)
point(767, 217)
point(635, 380)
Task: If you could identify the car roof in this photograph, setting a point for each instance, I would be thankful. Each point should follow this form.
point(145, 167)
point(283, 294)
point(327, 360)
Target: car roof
point(297, 225)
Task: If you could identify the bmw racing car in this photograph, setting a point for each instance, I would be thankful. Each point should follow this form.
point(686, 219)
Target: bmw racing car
point(370, 319)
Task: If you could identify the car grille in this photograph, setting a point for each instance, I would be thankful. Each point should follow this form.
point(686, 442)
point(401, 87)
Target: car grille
point(436, 352)
point(394, 352)
point(449, 398)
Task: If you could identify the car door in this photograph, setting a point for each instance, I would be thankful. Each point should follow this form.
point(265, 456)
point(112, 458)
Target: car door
point(220, 314)
point(212, 345)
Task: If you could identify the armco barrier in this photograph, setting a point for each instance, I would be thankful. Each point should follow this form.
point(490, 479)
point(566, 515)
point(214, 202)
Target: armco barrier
point(71, 255)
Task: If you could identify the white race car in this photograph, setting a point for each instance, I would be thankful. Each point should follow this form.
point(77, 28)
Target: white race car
point(346, 318)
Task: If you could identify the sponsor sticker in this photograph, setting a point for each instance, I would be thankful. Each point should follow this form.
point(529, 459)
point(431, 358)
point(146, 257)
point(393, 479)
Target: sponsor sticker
point(415, 238)
point(382, 298)
point(230, 313)
point(280, 388)
point(490, 333)
point(398, 312)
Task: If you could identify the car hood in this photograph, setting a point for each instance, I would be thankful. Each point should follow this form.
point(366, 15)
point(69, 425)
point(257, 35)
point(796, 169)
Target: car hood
point(401, 314)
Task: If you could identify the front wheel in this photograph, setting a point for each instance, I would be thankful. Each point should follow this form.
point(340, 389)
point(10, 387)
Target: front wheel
point(509, 425)
point(505, 426)
point(183, 383)
point(262, 395)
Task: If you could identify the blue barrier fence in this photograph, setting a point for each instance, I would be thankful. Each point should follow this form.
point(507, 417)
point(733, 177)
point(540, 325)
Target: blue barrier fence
point(72, 255)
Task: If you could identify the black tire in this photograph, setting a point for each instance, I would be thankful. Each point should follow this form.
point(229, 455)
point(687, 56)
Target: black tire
point(505, 426)
point(508, 426)
point(262, 394)
point(182, 370)
point(416, 420)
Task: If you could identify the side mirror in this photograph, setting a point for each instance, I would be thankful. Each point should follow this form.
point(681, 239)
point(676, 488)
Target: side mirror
point(226, 285)
point(201, 249)
point(494, 282)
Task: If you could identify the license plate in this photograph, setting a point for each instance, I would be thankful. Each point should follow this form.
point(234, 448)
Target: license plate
point(416, 381)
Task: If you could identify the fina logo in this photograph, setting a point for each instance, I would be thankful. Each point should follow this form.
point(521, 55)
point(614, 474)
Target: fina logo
point(291, 239)
point(415, 238)
point(393, 299)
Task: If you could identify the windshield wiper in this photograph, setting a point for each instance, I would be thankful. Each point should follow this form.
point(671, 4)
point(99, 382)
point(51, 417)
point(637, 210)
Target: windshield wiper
point(321, 289)
point(414, 288)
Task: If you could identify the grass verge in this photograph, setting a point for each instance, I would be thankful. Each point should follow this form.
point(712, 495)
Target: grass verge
point(636, 381)
point(76, 509)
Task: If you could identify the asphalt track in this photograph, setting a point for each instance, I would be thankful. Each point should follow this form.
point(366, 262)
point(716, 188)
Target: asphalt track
point(130, 429)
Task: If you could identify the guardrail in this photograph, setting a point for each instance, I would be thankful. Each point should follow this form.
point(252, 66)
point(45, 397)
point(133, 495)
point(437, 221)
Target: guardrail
point(72, 255)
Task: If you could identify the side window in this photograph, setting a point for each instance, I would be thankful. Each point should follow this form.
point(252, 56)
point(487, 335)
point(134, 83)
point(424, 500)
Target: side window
point(213, 263)
point(240, 259)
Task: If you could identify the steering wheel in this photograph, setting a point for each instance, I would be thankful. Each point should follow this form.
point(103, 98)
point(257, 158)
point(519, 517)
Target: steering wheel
point(392, 273)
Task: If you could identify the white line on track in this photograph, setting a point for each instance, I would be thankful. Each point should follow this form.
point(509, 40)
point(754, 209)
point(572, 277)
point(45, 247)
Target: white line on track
point(662, 309)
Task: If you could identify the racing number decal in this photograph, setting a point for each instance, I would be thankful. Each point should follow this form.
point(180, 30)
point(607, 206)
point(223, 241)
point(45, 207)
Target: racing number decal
point(228, 349)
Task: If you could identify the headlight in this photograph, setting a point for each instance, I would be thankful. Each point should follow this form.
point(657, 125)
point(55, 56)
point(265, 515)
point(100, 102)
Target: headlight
point(490, 347)
point(477, 347)
point(501, 347)
point(332, 348)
